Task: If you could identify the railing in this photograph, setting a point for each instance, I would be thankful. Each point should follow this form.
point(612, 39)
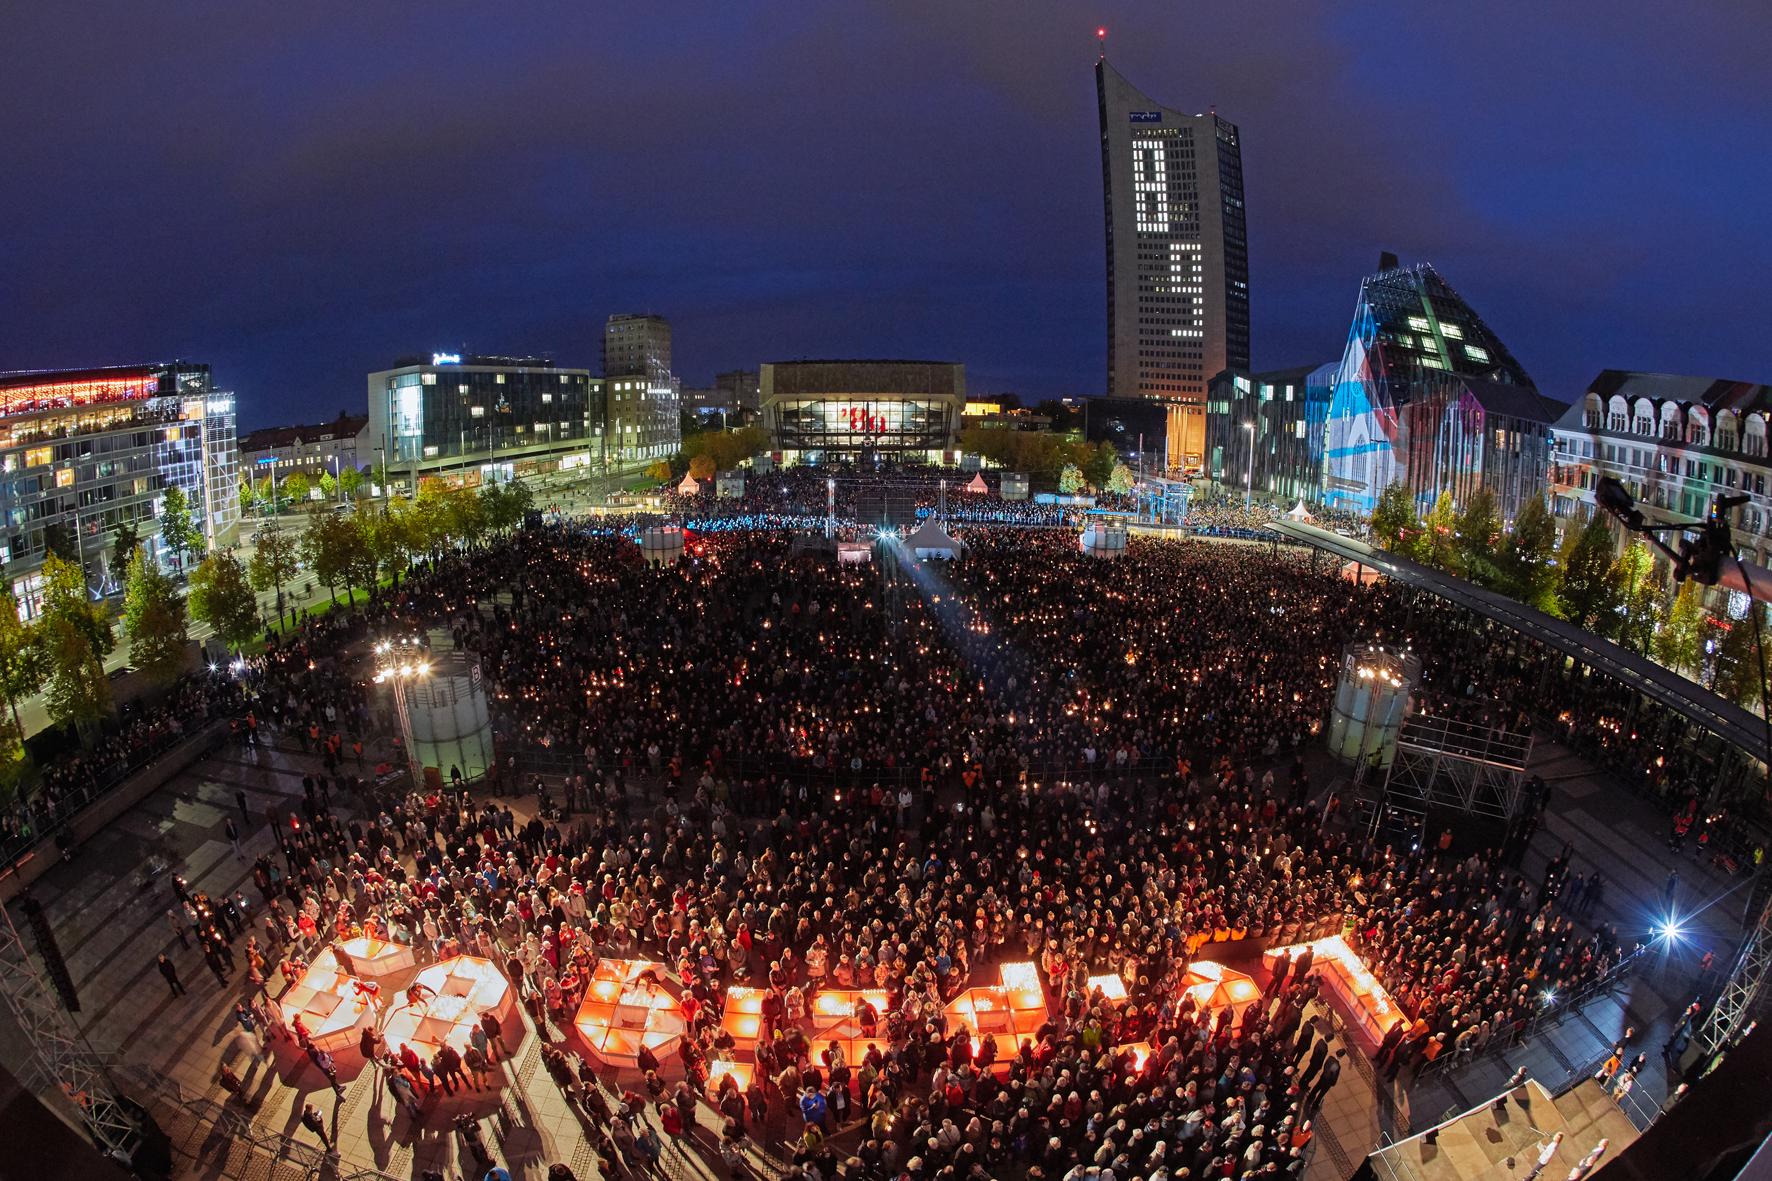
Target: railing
point(230, 1122)
point(1636, 1104)
point(1553, 1013)
point(67, 808)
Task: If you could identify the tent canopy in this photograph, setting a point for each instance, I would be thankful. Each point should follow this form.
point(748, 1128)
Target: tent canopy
point(689, 486)
point(978, 485)
point(931, 538)
point(1299, 513)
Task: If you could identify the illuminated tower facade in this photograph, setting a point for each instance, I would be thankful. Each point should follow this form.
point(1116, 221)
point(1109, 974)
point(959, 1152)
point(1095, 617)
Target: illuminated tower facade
point(1177, 255)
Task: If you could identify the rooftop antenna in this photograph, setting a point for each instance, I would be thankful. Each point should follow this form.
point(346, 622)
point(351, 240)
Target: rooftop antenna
point(1101, 40)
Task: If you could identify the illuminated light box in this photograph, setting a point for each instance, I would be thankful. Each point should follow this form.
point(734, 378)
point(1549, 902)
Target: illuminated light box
point(1350, 983)
point(327, 1001)
point(1012, 1011)
point(626, 1006)
point(743, 1015)
point(1140, 1051)
point(833, 1020)
point(741, 1072)
point(1214, 987)
point(463, 989)
point(1112, 987)
point(371, 959)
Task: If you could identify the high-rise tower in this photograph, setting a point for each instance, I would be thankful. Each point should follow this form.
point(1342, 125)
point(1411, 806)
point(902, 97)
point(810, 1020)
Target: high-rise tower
point(1177, 255)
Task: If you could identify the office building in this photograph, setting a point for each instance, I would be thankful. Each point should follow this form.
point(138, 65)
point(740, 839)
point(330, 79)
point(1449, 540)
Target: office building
point(314, 450)
point(84, 450)
point(739, 389)
point(1427, 395)
point(482, 419)
point(1266, 432)
point(1177, 256)
point(643, 399)
point(1675, 442)
point(843, 411)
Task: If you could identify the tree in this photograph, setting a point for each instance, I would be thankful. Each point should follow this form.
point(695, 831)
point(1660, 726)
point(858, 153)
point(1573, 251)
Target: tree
point(350, 480)
point(701, 467)
point(267, 492)
point(1394, 524)
point(274, 562)
point(126, 538)
point(177, 528)
point(1637, 597)
point(1070, 479)
point(22, 667)
point(1738, 659)
point(1098, 463)
point(154, 620)
point(328, 486)
point(658, 470)
point(327, 546)
point(1479, 535)
point(297, 487)
point(1680, 641)
point(1439, 547)
point(1121, 480)
point(1528, 572)
point(1586, 595)
point(222, 597)
point(76, 639)
point(248, 492)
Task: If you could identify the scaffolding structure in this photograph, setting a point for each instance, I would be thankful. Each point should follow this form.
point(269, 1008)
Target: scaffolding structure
point(1442, 763)
point(60, 1053)
point(1745, 989)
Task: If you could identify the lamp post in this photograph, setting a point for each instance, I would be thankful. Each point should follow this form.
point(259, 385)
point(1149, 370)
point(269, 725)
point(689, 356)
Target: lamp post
point(1249, 487)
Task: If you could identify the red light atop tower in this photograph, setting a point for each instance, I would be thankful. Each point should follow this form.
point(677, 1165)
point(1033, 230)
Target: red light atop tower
point(1101, 33)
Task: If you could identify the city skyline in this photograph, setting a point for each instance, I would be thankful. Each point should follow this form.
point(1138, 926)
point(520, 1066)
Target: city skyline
point(334, 189)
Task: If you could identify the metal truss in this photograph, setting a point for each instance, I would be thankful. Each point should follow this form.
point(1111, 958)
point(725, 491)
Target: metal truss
point(1443, 763)
point(59, 1051)
point(1743, 992)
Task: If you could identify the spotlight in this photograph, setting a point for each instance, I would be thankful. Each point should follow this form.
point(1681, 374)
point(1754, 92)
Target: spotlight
point(1671, 929)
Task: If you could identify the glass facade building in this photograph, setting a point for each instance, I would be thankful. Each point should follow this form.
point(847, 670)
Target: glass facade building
point(1177, 256)
point(483, 419)
point(1427, 395)
point(1266, 432)
point(824, 411)
point(84, 451)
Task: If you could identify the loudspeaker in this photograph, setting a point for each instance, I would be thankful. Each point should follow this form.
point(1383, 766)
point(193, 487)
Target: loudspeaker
point(51, 952)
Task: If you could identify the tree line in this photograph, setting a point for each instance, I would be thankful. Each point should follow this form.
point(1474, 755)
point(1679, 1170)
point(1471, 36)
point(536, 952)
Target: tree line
point(61, 650)
point(1586, 579)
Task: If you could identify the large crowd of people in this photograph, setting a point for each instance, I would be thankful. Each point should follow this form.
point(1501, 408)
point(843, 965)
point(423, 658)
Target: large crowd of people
point(782, 772)
point(759, 766)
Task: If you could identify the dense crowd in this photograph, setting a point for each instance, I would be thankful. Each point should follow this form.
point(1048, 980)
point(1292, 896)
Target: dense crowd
point(795, 775)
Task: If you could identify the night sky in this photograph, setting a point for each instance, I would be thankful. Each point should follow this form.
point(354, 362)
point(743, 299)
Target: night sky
point(300, 193)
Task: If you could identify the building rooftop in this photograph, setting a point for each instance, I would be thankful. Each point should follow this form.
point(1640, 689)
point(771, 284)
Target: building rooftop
point(1715, 393)
point(267, 438)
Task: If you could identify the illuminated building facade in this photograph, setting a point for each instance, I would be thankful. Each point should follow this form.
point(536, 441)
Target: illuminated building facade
point(1177, 256)
point(83, 451)
point(1675, 442)
point(1427, 395)
point(1284, 417)
point(644, 399)
point(315, 450)
point(837, 411)
point(483, 419)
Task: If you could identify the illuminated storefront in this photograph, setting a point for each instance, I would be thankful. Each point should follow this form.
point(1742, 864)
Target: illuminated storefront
point(840, 411)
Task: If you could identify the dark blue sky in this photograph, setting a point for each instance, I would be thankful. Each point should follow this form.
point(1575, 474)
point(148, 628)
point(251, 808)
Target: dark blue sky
point(299, 193)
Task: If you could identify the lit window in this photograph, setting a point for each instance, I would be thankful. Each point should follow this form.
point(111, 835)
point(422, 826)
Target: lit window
point(64, 478)
point(477, 411)
point(431, 452)
point(1420, 324)
point(1452, 330)
point(1476, 353)
point(429, 379)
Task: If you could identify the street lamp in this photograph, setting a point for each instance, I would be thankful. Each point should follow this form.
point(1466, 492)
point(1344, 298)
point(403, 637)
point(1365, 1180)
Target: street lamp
point(1249, 488)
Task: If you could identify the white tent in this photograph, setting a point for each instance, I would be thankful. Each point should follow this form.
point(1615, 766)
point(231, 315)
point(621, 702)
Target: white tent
point(978, 486)
point(689, 486)
point(1298, 512)
point(932, 541)
point(1356, 572)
